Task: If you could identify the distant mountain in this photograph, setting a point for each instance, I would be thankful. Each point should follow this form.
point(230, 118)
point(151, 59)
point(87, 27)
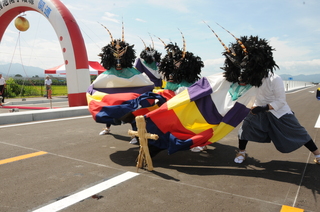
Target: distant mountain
point(306, 78)
point(16, 68)
point(31, 71)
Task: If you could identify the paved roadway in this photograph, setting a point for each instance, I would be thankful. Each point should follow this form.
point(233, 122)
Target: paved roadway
point(64, 164)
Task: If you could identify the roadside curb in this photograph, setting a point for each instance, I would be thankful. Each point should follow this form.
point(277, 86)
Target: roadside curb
point(39, 115)
point(34, 101)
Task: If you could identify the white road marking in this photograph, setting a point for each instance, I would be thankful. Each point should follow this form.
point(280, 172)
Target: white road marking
point(45, 121)
point(317, 123)
point(77, 197)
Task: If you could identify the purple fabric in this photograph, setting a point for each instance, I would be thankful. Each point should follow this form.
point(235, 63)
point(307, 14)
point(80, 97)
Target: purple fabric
point(140, 67)
point(236, 114)
point(199, 89)
point(139, 90)
point(209, 110)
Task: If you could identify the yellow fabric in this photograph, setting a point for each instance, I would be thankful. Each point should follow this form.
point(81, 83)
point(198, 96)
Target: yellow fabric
point(97, 96)
point(220, 131)
point(181, 99)
point(191, 118)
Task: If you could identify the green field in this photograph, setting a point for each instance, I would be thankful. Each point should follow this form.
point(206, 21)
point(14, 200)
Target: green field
point(18, 91)
point(59, 90)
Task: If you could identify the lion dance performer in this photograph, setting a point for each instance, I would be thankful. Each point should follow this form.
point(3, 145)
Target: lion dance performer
point(212, 107)
point(148, 63)
point(109, 94)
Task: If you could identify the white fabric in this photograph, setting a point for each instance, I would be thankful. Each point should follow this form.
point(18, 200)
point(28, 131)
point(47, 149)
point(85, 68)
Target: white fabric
point(112, 81)
point(154, 72)
point(224, 102)
point(272, 92)
point(2, 81)
point(179, 90)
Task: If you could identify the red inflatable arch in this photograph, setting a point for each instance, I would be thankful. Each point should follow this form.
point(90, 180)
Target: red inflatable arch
point(69, 35)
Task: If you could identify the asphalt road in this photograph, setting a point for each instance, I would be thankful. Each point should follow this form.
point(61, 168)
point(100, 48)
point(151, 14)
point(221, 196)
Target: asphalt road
point(75, 169)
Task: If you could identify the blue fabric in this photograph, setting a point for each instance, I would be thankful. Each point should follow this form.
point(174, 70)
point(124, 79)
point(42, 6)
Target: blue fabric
point(111, 114)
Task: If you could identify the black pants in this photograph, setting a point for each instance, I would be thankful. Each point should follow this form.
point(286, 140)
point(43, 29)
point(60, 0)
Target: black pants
point(2, 90)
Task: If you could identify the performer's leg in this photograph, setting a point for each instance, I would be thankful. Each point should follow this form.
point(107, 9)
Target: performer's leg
point(105, 130)
point(133, 140)
point(314, 149)
point(241, 155)
point(243, 144)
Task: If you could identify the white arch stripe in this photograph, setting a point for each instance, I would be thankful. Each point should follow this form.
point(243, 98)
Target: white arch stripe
point(76, 79)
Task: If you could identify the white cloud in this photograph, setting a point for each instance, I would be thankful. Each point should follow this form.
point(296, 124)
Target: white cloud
point(287, 51)
point(212, 66)
point(72, 7)
point(214, 62)
point(140, 20)
point(300, 67)
point(110, 17)
point(293, 59)
point(177, 5)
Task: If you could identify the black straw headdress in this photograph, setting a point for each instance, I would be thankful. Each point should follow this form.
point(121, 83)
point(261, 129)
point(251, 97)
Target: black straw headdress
point(149, 54)
point(117, 53)
point(252, 67)
point(180, 65)
point(248, 60)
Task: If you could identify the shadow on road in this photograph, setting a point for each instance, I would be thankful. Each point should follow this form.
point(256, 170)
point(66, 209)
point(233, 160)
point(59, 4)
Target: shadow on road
point(219, 161)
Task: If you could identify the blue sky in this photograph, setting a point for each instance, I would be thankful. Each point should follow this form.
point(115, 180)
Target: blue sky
point(291, 26)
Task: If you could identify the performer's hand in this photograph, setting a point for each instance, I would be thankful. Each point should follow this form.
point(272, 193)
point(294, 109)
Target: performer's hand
point(259, 109)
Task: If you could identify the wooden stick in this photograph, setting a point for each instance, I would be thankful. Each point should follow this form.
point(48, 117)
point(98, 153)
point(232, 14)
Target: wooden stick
point(144, 157)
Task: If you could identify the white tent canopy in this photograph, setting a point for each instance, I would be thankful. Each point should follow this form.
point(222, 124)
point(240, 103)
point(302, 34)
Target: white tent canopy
point(94, 67)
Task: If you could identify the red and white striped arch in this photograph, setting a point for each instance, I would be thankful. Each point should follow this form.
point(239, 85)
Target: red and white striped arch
point(70, 38)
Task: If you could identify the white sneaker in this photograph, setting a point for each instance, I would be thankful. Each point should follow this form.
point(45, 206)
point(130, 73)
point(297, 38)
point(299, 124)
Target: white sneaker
point(104, 132)
point(133, 140)
point(198, 148)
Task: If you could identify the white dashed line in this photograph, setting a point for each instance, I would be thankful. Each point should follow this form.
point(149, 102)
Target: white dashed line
point(77, 197)
point(317, 123)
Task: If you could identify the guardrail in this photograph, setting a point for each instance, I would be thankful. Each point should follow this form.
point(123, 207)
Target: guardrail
point(290, 85)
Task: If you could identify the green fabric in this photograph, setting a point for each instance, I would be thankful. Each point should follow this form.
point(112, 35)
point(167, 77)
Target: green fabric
point(123, 73)
point(237, 90)
point(174, 86)
point(153, 65)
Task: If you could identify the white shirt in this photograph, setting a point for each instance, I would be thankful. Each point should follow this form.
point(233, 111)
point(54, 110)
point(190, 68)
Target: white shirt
point(48, 82)
point(272, 92)
point(2, 81)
